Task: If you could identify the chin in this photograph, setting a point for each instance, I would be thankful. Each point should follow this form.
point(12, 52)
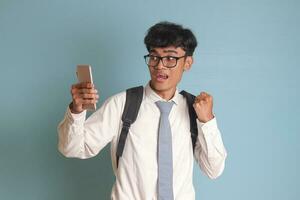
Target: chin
point(160, 87)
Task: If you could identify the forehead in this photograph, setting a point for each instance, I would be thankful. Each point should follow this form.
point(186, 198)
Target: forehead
point(170, 49)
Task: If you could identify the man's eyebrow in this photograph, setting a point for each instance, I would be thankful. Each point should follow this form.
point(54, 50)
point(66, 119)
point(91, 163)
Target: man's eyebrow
point(170, 51)
point(165, 51)
point(153, 51)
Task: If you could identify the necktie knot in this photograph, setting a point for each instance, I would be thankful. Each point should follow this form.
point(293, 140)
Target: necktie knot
point(164, 107)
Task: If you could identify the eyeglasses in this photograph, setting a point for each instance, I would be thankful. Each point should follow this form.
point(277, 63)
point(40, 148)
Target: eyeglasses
point(167, 61)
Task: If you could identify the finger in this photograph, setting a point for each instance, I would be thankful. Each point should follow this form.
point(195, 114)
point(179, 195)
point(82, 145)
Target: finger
point(208, 95)
point(87, 91)
point(205, 96)
point(85, 96)
point(197, 99)
point(202, 101)
point(83, 85)
point(200, 98)
point(89, 96)
point(89, 101)
point(74, 90)
point(81, 101)
point(195, 105)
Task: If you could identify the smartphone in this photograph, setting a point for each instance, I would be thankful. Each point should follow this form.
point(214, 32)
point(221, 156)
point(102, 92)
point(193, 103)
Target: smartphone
point(84, 74)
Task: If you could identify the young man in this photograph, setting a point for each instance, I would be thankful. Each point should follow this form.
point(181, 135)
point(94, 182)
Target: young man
point(157, 161)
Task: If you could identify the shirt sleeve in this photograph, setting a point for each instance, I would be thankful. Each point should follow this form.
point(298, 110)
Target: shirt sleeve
point(84, 138)
point(210, 152)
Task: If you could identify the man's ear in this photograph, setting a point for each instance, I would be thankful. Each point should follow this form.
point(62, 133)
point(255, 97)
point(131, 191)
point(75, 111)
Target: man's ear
point(188, 63)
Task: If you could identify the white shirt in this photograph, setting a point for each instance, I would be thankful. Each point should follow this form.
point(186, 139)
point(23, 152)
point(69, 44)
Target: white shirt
point(136, 176)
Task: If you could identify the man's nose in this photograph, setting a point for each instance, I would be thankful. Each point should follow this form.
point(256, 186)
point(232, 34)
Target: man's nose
point(160, 65)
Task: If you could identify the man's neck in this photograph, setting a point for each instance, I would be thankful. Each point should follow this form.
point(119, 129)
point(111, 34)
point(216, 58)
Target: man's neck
point(165, 94)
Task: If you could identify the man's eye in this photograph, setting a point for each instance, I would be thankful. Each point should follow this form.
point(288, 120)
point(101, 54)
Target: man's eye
point(170, 58)
point(153, 57)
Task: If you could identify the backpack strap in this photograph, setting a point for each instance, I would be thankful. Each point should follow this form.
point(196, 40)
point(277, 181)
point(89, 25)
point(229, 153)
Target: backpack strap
point(134, 97)
point(193, 116)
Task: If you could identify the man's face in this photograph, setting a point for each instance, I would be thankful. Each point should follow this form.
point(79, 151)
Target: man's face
point(165, 79)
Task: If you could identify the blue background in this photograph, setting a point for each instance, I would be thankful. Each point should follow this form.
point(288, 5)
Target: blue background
point(247, 58)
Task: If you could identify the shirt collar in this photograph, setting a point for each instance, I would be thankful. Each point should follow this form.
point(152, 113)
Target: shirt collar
point(151, 94)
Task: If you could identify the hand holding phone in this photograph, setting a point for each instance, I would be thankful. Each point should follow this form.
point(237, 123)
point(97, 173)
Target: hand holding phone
point(84, 94)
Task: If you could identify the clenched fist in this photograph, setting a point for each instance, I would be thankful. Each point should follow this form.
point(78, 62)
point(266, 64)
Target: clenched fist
point(203, 106)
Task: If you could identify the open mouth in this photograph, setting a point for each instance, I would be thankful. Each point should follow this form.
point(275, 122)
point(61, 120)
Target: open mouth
point(161, 77)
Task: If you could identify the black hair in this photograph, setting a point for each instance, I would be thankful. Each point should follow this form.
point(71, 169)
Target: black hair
point(165, 34)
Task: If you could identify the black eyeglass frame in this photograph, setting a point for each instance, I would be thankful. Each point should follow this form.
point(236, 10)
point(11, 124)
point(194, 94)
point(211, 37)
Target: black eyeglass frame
point(161, 59)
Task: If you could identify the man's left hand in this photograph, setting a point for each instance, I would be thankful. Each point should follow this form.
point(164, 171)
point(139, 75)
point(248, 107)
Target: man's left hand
point(203, 106)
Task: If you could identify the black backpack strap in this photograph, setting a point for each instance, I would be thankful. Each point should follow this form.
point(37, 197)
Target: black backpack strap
point(193, 116)
point(134, 97)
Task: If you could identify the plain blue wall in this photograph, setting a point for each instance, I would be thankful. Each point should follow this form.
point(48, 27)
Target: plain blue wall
point(247, 58)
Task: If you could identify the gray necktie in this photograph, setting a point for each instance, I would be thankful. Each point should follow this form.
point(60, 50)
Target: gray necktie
point(165, 161)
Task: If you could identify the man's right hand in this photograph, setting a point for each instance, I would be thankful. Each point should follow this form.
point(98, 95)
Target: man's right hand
point(83, 94)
